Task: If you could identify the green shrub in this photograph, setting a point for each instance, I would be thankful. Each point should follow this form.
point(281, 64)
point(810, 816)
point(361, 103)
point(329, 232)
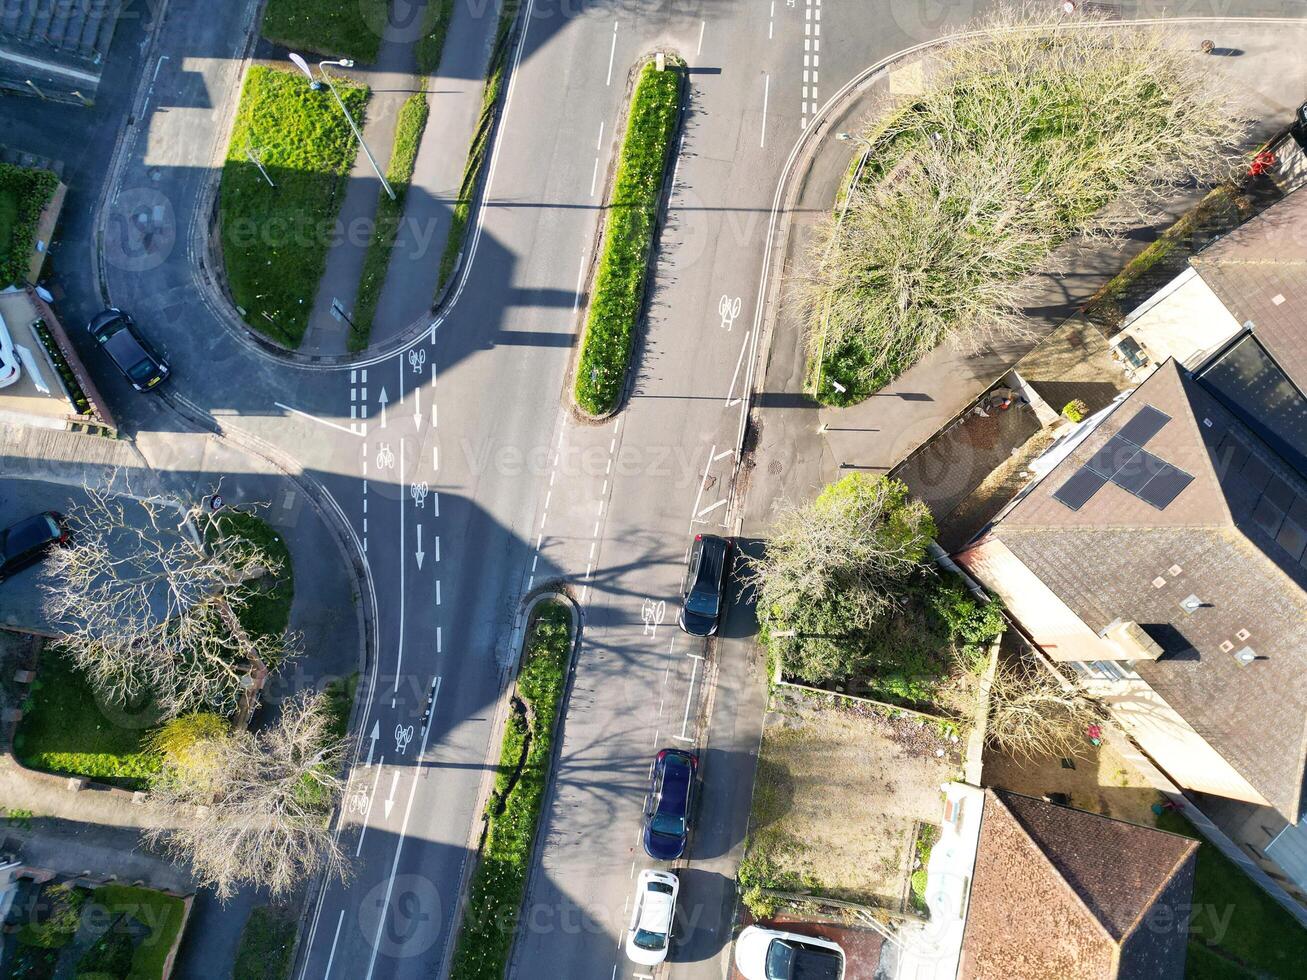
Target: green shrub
point(111, 956)
point(619, 285)
point(24, 193)
point(1074, 410)
point(59, 912)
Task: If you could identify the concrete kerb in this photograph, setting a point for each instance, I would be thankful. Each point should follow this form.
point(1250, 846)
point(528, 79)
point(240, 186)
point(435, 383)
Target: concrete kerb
point(545, 594)
point(597, 241)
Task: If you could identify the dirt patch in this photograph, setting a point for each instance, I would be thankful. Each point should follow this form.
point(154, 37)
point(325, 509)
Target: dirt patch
point(838, 790)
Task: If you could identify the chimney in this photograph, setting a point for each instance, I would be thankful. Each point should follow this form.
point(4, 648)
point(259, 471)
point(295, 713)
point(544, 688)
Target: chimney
point(1130, 638)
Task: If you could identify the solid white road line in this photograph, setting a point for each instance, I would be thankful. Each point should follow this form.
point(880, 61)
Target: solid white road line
point(368, 813)
point(339, 919)
point(698, 496)
point(702, 25)
point(399, 654)
point(612, 53)
point(314, 418)
point(403, 832)
point(689, 699)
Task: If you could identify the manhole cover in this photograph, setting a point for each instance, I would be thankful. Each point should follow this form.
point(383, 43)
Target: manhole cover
point(774, 467)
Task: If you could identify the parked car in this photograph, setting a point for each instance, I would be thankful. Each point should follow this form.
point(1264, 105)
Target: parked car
point(140, 364)
point(671, 798)
point(10, 369)
point(650, 933)
point(768, 954)
point(25, 543)
point(704, 590)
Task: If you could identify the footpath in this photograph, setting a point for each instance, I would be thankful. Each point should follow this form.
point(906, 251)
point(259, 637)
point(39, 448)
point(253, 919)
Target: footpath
point(454, 98)
point(880, 432)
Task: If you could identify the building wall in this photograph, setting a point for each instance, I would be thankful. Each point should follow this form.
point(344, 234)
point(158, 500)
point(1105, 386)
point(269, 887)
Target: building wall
point(1181, 320)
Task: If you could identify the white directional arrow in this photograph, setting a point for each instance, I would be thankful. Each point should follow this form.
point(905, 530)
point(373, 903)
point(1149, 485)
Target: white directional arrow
point(382, 399)
point(417, 407)
point(420, 553)
point(376, 734)
point(390, 800)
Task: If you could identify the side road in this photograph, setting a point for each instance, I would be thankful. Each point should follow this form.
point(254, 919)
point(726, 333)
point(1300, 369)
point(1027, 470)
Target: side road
point(878, 433)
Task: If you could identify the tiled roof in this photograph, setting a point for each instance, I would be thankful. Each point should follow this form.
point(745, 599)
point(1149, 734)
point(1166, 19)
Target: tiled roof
point(1236, 538)
point(1259, 271)
point(1058, 892)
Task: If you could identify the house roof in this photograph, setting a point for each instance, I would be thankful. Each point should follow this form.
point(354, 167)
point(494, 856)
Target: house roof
point(1062, 892)
point(1259, 271)
point(1235, 537)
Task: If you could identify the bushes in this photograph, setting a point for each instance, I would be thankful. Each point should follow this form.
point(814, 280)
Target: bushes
point(618, 293)
point(266, 943)
point(24, 193)
point(513, 811)
point(81, 403)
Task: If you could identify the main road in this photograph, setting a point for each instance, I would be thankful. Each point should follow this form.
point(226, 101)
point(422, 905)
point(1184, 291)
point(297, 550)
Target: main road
point(457, 470)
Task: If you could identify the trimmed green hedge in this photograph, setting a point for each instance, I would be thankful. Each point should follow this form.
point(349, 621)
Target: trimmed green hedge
point(408, 134)
point(628, 236)
point(24, 193)
point(513, 811)
point(275, 239)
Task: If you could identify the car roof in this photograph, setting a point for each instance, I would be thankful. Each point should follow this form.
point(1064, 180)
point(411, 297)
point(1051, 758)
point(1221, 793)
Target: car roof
point(676, 781)
point(27, 533)
point(124, 348)
point(712, 556)
point(655, 909)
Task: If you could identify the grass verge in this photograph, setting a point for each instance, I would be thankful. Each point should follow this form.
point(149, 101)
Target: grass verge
point(66, 730)
point(161, 914)
point(268, 611)
point(628, 237)
point(275, 239)
point(435, 25)
point(24, 193)
point(344, 30)
point(499, 881)
point(266, 943)
point(408, 134)
point(1237, 930)
point(476, 154)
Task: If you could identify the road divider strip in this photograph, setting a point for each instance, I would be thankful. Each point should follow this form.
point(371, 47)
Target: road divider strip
point(617, 299)
point(512, 815)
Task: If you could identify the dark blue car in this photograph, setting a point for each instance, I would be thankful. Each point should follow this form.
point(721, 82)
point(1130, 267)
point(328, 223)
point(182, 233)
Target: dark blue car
point(671, 798)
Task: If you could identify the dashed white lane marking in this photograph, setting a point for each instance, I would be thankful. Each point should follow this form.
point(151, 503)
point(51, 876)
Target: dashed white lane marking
point(594, 177)
point(810, 99)
point(612, 53)
point(766, 95)
point(703, 24)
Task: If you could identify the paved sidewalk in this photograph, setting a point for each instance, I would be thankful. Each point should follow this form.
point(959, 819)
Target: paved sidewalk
point(878, 433)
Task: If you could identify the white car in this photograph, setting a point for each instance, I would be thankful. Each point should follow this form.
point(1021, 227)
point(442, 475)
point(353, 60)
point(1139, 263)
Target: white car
point(767, 954)
point(9, 366)
point(651, 920)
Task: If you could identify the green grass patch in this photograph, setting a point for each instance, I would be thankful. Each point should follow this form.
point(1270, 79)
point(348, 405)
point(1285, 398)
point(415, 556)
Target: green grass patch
point(513, 811)
point(408, 134)
point(162, 914)
point(435, 25)
point(340, 699)
point(266, 943)
point(24, 193)
point(275, 239)
point(1237, 930)
point(480, 146)
point(268, 611)
point(351, 29)
point(628, 237)
point(66, 730)
point(927, 835)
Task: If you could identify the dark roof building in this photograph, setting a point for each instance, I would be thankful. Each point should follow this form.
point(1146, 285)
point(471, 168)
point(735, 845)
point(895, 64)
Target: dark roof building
point(1058, 892)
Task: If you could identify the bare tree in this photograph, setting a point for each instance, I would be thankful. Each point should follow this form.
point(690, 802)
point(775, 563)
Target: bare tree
point(147, 605)
point(1033, 714)
point(1036, 128)
point(253, 807)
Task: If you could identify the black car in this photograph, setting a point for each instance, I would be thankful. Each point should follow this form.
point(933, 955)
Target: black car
point(704, 591)
point(26, 542)
point(140, 364)
point(671, 797)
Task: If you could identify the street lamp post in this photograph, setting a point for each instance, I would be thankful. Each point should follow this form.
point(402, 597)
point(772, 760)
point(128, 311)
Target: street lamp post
point(322, 69)
point(839, 224)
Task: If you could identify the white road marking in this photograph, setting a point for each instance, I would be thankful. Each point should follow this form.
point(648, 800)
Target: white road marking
point(399, 654)
point(437, 592)
point(702, 25)
point(599, 143)
point(766, 94)
point(403, 832)
point(314, 418)
point(594, 177)
point(712, 507)
point(367, 814)
point(689, 699)
point(330, 959)
point(612, 53)
point(697, 497)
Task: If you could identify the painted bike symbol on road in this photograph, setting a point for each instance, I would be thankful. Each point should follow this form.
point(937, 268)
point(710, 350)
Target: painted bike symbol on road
point(403, 735)
point(385, 457)
point(358, 803)
point(419, 491)
point(729, 309)
point(417, 358)
point(652, 614)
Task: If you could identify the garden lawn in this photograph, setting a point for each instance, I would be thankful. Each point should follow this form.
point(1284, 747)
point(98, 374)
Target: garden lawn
point(1261, 939)
point(266, 943)
point(275, 239)
point(65, 730)
point(162, 914)
point(349, 29)
point(24, 193)
point(619, 284)
point(513, 811)
point(408, 134)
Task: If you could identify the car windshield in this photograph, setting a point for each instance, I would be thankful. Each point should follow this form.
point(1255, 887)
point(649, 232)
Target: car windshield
point(788, 962)
point(667, 823)
point(780, 958)
point(142, 370)
point(647, 939)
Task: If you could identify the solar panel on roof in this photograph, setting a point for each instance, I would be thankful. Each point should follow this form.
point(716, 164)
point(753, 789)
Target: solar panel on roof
point(1114, 454)
point(1141, 468)
point(1147, 422)
point(1075, 493)
point(1165, 486)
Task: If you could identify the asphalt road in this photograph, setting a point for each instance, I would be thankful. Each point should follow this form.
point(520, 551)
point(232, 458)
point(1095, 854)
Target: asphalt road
point(468, 485)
